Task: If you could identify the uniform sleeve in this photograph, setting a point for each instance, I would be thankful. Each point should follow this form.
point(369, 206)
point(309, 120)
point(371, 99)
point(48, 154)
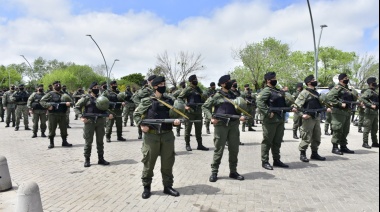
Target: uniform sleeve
point(141, 110)
point(79, 105)
point(262, 98)
point(44, 100)
point(332, 97)
point(365, 98)
point(208, 105)
point(301, 99)
point(5, 97)
point(30, 101)
point(182, 96)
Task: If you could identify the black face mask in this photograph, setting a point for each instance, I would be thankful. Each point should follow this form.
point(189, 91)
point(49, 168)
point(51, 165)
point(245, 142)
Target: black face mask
point(228, 85)
point(57, 87)
point(346, 82)
point(41, 90)
point(21, 89)
point(194, 82)
point(314, 84)
point(375, 85)
point(105, 87)
point(235, 85)
point(161, 89)
point(114, 87)
point(183, 86)
point(95, 91)
point(12, 88)
point(273, 82)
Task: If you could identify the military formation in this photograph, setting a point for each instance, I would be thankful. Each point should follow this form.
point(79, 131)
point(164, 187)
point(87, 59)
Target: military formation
point(156, 111)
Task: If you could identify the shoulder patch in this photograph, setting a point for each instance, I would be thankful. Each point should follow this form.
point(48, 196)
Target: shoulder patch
point(337, 87)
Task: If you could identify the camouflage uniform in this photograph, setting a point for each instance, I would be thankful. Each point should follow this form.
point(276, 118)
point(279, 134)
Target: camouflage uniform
point(10, 107)
point(2, 111)
point(370, 98)
point(21, 98)
point(128, 108)
point(118, 119)
point(39, 113)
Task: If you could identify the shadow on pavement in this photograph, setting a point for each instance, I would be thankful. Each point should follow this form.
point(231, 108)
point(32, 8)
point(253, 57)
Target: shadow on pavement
point(334, 158)
point(182, 153)
point(285, 141)
point(363, 151)
point(301, 165)
point(198, 189)
point(258, 175)
point(120, 162)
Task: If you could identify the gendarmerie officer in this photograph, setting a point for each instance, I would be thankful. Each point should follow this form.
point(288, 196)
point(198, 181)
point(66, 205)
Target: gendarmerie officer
point(9, 106)
point(342, 98)
point(157, 142)
point(270, 101)
point(370, 99)
point(308, 101)
point(297, 120)
point(210, 93)
point(223, 131)
point(39, 112)
point(92, 109)
point(129, 107)
point(20, 97)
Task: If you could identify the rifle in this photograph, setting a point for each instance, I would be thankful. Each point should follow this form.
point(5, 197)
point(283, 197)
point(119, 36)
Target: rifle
point(315, 111)
point(374, 103)
point(280, 109)
point(226, 118)
point(95, 115)
point(56, 104)
point(351, 103)
point(195, 104)
point(157, 123)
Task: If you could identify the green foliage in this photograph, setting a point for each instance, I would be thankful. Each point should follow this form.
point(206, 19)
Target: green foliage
point(74, 76)
point(135, 78)
point(8, 76)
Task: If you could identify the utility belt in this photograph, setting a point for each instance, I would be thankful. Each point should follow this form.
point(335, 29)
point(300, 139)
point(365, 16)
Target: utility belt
point(156, 132)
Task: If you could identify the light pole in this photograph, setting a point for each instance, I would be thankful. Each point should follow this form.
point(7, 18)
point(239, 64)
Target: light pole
point(109, 74)
point(319, 41)
point(103, 59)
point(27, 62)
point(315, 46)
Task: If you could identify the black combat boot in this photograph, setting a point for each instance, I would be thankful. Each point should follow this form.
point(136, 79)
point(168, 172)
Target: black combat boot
point(375, 145)
point(208, 130)
point(178, 132)
point(236, 176)
point(87, 162)
point(365, 145)
point(43, 135)
point(27, 128)
point(332, 132)
point(120, 138)
point(68, 126)
point(251, 129)
point(295, 134)
point(2, 119)
point(51, 143)
point(303, 157)
point(343, 148)
point(132, 125)
point(140, 132)
point(125, 124)
point(316, 156)
point(146, 194)
point(336, 150)
point(171, 191)
point(7, 125)
point(201, 147)
point(65, 143)
point(108, 138)
point(13, 124)
point(16, 128)
point(279, 163)
point(213, 178)
point(34, 135)
point(243, 127)
point(266, 165)
point(360, 130)
point(102, 161)
point(188, 147)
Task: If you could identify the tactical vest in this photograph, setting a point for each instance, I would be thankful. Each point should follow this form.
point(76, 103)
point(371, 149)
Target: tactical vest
point(194, 97)
point(158, 111)
point(113, 98)
point(226, 107)
point(56, 98)
point(21, 97)
point(128, 96)
point(36, 103)
point(312, 103)
point(374, 98)
point(347, 96)
point(91, 108)
point(276, 99)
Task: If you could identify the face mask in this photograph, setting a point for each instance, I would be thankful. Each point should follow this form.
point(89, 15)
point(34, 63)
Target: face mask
point(128, 89)
point(194, 82)
point(95, 91)
point(12, 88)
point(375, 85)
point(228, 85)
point(41, 90)
point(114, 87)
point(314, 84)
point(161, 90)
point(57, 88)
point(21, 89)
point(183, 86)
point(235, 85)
point(273, 82)
point(346, 82)
point(105, 87)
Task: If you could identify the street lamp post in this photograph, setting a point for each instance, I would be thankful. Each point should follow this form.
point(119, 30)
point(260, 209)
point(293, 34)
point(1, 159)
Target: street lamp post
point(27, 62)
point(103, 59)
point(109, 74)
point(319, 41)
point(315, 46)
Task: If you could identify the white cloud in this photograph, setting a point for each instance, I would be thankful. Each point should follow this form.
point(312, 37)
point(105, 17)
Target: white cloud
point(50, 31)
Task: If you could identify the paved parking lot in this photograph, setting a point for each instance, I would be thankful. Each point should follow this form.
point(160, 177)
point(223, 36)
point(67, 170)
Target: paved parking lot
point(342, 183)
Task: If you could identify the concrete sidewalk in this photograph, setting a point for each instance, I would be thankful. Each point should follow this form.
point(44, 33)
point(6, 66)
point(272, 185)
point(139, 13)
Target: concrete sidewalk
point(342, 183)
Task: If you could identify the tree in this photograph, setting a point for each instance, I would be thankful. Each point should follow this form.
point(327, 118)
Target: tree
point(184, 65)
point(9, 76)
point(266, 56)
point(135, 78)
point(363, 68)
